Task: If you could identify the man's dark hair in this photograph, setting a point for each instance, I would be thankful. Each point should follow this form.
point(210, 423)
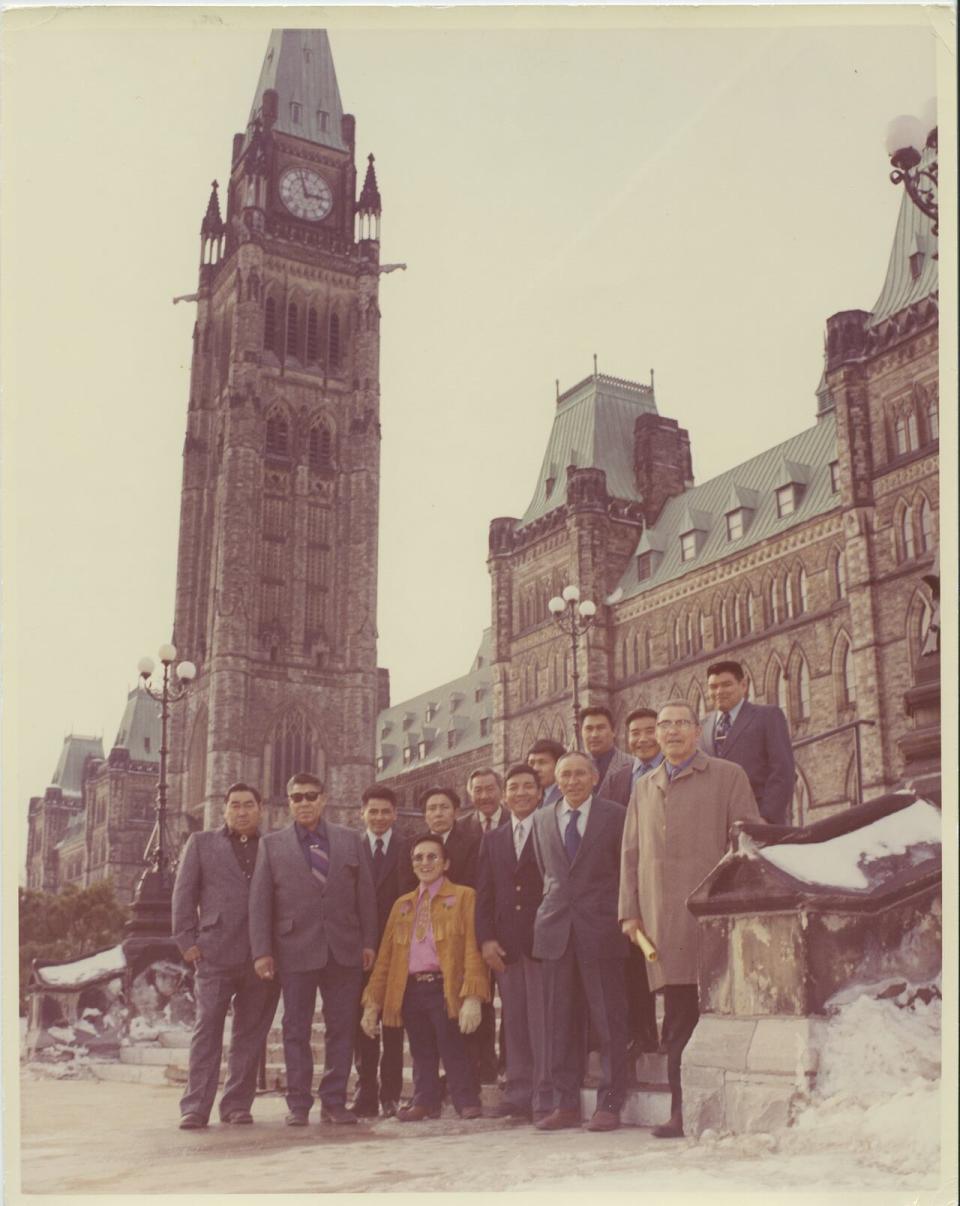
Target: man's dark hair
point(640, 714)
point(483, 770)
point(439, 791)
point(242, 787)
point(733, 668)
point(596, 710)
point(546, 745)
point(307, 778)
point(379, 793)
point(428, 837)
point(521, 768)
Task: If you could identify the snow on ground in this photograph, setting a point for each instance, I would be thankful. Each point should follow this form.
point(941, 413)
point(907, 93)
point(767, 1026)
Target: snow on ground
point(872, 1124)
point(839, 861)
point(82, 971)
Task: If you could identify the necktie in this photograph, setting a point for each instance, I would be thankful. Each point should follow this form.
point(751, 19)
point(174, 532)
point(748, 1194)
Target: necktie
point(721, 732)
point(518, 839)
point(378, 854)
point(571, 836)
point(319, 863)
point(486, 824)
point(422, 922)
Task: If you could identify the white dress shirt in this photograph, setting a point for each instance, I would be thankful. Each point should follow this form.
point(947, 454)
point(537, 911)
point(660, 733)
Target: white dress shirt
point(521, 831)
point(564, 810)
point(494, 819)
point(384, 837)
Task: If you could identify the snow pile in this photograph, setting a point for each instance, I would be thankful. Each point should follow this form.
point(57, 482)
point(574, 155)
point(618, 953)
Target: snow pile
point(877, 1093)
point(83, 971)
point(839, 862)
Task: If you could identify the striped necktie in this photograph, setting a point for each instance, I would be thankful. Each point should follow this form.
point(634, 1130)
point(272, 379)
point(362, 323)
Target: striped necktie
point(721, 732)
point(319, 861)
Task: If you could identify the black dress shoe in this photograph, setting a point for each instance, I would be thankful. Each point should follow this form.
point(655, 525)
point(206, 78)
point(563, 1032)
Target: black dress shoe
point(670, 1130)
point(364, 1109)
point(507, 1109)
point(192, 1122)
point(238, 1118)
point(389, 1108)
point(337, 1113)
point(296, 1118)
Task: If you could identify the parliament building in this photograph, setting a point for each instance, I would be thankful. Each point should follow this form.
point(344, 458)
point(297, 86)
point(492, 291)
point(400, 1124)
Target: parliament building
point(807, 562)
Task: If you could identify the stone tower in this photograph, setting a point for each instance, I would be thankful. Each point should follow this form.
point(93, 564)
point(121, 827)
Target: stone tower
point(277, 566)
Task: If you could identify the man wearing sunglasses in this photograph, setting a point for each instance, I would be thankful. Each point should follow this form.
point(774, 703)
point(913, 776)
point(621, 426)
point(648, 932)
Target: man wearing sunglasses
point(313, 924)
point(675, 833)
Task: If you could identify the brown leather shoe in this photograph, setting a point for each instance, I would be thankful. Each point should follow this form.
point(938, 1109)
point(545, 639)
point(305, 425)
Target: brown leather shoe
point(604, 1120)
point(471, 1112)
point(416, 1113)
point(559, 1120)
point(670, 1130)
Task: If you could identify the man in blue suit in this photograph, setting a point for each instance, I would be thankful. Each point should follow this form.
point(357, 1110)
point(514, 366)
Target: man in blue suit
point(754, 736)
point(509, 891)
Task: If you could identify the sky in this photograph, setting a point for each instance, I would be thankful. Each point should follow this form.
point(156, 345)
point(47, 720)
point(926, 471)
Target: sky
point(666, 190)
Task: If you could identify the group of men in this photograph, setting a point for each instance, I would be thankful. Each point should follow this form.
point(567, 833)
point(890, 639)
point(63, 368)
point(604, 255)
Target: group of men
point(574, 856)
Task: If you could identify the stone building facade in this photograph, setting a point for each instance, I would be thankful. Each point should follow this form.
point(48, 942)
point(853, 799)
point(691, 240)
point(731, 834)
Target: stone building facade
point(277, 568)
point(805, 563)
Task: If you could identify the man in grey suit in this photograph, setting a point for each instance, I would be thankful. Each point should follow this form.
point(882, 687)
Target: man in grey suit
point(754, 736)
point(577, 935)
point(614, 767)
point(313, 923)
point(210, 926)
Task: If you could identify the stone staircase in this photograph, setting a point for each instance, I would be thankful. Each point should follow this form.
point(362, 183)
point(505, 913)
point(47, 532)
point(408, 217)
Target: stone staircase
point(164, 1062)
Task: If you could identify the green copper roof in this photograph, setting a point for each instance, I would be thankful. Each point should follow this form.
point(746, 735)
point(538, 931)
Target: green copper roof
point(69, 773)
point(139, 730)
point(912, 272)
point(298, 65)
point(804, 459)
point(459, 708)
point(592, 428)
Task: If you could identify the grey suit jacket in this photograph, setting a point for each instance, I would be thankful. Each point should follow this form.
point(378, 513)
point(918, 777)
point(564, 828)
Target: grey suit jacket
point(210, 899)
point(759, 741)
point(300, 922)
point(580, 898)
point(617, 783)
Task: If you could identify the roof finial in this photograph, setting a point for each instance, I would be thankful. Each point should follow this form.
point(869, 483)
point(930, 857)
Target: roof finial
point(556, 382)
point(651, 380)
point(594, 364)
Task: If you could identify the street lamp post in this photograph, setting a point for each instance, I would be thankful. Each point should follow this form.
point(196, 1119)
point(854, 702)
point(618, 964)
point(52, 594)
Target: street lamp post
point(912, 147)
point(573, 616)
point(150, 911)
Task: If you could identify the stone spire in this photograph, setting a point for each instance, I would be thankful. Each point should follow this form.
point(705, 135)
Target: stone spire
point(212, 224)
point(369, 202)
point(298, 67)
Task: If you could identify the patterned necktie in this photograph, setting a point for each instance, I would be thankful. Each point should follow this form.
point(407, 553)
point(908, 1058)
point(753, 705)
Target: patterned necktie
point(721, 732)
point(378, 854)
point(518, 839)
point(422, 921)
point(486, 824)
point(571, 836)
point(319, 862)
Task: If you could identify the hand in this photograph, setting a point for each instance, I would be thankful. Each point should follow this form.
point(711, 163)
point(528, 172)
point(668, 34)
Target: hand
point(368, 957)
point(493, 954)
point(469, 1015)
point(369, 1020)
point(193, 954)
point(630, 926)
point(265, 967)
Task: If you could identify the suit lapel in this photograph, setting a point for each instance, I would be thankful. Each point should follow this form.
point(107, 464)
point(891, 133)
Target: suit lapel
point(225, 849)
point(745, 718)
point(296, 858)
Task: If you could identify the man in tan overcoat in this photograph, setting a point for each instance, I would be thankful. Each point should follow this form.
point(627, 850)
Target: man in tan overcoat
point(676, 831)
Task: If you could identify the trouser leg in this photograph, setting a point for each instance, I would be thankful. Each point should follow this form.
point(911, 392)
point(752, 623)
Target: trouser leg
point(565, 1027)
point(605, 993)
point(641, 1004)
point(254, 1004)
point(461, 1084)
point(340, 993)
point(211, 993)
point(542, 1083)
point(299, 1001)
point(681, 1012)
point(520, 1069)
point(424, 1049)
point(391, 1064)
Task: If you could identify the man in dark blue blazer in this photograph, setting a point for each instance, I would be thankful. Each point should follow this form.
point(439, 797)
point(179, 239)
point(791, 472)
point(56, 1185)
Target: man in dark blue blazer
point(577, 935)
point(754, 736)
point(509, 891)
point(210, 926)
point(388, 855)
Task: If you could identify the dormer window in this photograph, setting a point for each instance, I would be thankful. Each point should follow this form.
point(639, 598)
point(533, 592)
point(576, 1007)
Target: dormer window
point(551, 482)
point(786, 500)
point(688, 546)
point(916, 264)
point(644, 566)
point(429, 712)
point(478, 695)
point(834, 477)
point(381, 763)
point(323, 120)
point(484, 726)
point(422, 750)
point(734, 524)
point(407, 755)
point(296, 113)
point(451, 738)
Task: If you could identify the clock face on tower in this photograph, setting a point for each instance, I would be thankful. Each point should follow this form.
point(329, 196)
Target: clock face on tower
point(306, 194)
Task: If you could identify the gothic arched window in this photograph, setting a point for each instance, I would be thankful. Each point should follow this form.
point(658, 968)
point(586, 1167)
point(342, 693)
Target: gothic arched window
point(840, 574)
point(293, 330)
point(333, 343)
point(908, 545)
point(321, 447)
point(270, 327)
point(803, 691)
point(313, 337)
point(926, 526)
point(292, 748)
point(278, 436)
point(803, 599)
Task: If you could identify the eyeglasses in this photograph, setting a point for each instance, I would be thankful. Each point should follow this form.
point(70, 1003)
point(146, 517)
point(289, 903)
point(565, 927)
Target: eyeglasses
point(297, 796)
point(426, 858)
point(675, 724)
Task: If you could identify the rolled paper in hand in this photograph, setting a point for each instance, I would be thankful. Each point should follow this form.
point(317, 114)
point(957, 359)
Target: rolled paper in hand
point(644, 943)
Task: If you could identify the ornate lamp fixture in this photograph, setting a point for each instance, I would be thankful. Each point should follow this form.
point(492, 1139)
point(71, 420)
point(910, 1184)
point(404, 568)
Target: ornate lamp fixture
point(573, 616)
point(907, 144)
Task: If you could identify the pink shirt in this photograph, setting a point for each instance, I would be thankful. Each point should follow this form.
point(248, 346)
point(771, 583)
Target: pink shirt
point(423, 951)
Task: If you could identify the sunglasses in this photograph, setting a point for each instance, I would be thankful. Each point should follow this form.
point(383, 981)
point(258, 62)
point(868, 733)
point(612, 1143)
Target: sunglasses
point(297, 796)
point(426, 858)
